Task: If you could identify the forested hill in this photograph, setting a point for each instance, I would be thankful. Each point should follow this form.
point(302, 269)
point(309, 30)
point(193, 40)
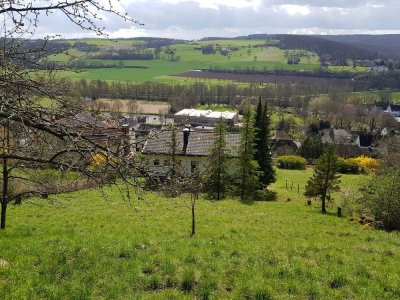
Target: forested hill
point(340, 46)
point(387, 45)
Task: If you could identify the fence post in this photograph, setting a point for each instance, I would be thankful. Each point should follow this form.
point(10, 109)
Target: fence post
point(339, 212)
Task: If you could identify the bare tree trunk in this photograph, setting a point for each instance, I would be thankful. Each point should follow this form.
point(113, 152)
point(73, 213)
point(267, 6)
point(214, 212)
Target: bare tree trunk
point(4, 196)
point(3, 215)
point(193, 218)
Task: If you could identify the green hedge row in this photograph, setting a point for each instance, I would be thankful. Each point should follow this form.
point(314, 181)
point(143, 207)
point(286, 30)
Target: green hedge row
point(292, 162)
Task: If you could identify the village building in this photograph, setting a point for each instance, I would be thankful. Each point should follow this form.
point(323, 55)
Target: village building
point(192, 150)
point(196, 117)
point(283, 144)
point(336, 136)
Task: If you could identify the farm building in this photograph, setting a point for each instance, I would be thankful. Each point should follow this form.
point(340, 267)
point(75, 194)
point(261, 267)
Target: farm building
point(192, 148)
point(197, 117)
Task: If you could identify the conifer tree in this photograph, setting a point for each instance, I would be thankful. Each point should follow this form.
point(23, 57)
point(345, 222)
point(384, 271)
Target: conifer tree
point(312, 147)
point(248, 174)
point(217, 181)
point(263, 153)
point(324, 180)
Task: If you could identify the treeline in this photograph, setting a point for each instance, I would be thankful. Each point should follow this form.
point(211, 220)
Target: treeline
point(187, 95)
point(127, 54)
point(355, 81)
point(159, 42)
point(85, 47)
point(377, 81)
point(319, 72)
point(84, 64)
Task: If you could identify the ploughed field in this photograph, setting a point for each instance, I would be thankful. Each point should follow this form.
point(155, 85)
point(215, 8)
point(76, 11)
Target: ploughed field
point(260, 78)
point(85, 246)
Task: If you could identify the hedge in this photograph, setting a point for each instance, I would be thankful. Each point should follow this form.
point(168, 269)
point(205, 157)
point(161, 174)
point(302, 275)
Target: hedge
point(292, 162)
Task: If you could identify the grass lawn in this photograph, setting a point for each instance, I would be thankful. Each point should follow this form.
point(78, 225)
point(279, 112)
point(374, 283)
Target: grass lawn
point(190, 57)
point(85, 247)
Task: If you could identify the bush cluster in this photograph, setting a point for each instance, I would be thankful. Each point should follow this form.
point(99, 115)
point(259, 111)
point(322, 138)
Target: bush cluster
point(367, 164)
point(292, 162)
point(348, 166)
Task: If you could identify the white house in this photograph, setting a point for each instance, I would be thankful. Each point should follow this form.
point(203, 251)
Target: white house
point(204, 117)
point(192, 149)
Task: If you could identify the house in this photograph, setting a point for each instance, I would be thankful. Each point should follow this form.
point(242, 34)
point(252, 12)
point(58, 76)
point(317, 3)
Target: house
point(336, 136)
point(283, 144)
point(365, 140)
point(393, 110)
point(192, 149)
point(109, 133)
point(379, 69)
point(196, 117)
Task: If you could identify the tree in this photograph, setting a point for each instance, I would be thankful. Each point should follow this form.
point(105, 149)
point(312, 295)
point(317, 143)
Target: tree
point(248, 174)
point(381, 198)
point(324, 180)
point(263, 153)
point(312, 147)
point(217, 179)
point(37, 137)
point(175, 181)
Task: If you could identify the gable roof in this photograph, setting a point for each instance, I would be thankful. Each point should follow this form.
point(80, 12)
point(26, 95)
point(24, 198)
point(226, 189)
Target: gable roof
point(82, 119)
point(199, 144)
point(331, 135)
point(281, 136)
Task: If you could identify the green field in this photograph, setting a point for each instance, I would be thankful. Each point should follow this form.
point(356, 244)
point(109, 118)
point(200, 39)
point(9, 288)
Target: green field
point(86, 247)
point(374, 96)
point(245, 56)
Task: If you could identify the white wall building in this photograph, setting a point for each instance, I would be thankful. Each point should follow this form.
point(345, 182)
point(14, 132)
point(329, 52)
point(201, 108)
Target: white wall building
point(198, 117)
point(192, 149)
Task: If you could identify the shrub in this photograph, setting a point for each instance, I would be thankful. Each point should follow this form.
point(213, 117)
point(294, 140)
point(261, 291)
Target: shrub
point(348, 166)
point(381, 198)
point(292, 162)
point(266, 195)
point(367, 164)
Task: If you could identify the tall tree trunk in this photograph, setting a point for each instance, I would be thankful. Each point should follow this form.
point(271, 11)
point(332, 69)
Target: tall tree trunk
point(323, 203)
point(193, 218)
point(3, 215)
point(4, 196)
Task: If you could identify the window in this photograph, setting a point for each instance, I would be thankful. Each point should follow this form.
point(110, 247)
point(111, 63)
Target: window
point(166, 162)
point(156, 162)
point(194, 165)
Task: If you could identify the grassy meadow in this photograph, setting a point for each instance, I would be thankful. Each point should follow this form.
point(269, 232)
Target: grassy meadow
point(85, 246)
point(249, 54)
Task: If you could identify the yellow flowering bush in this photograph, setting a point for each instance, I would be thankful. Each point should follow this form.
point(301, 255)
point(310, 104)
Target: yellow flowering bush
point(367, 164)
point(99, 159)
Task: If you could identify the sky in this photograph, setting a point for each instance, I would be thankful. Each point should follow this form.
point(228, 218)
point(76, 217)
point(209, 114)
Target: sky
point(195, 19)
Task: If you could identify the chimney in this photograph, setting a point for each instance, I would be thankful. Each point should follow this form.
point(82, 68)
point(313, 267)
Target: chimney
point(186, 133)
point(126, 141)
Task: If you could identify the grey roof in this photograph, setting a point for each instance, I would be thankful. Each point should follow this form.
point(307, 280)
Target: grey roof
point(331, 135)
point(200, 142)
point(83, 119)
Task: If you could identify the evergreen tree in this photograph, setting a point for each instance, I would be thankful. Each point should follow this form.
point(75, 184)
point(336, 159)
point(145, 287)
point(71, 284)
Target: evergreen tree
point(312, 147)
point(324, 180)
point(173, 184)
point(263, 153)
point(217, 181)
point(248, 174)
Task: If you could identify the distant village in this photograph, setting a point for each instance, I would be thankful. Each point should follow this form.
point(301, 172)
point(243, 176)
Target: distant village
point(150, 135)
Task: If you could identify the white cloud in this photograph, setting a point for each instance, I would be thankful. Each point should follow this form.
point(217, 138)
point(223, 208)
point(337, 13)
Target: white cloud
point(216, 4)
point(293, 10)
point(193, 19)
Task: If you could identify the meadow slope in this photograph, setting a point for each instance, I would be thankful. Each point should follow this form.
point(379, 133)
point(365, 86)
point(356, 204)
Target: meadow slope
point(86, 247)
